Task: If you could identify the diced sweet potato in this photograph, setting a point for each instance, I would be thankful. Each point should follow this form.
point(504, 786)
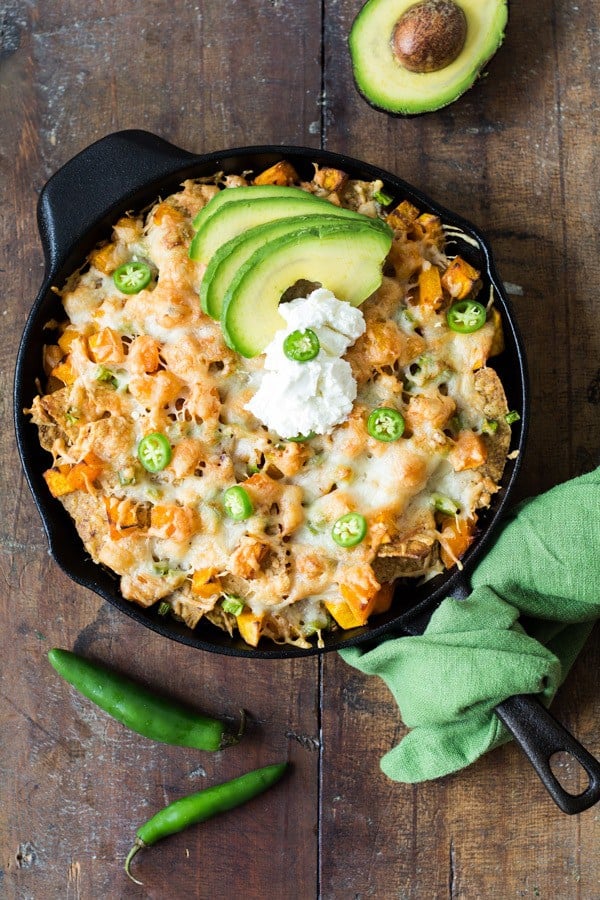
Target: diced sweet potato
point(344, 614)
point(402, 216)
point(204, 583)
point(331, 179)
point(430, 288)
point(459, 279)
point(456, 537)
point(106, 346)
point(469, 452)
point(64, 372)
point(498, 339)
point(103, 258)
point(250, 626)
point(429, 228)
point(282, 173)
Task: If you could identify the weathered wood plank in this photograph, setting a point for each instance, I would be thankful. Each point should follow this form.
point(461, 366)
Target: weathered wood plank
point(514, 155)
point(73, 784)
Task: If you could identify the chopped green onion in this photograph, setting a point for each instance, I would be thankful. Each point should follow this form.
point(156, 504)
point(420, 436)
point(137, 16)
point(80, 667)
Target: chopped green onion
point(161, 568)
point(382, 198)
point(445, 505)
point(232, 604)
point(163, 608)
point(106, 376)
point(489, 426)
point(72, 415)
point(512, 416)
point(299, 438)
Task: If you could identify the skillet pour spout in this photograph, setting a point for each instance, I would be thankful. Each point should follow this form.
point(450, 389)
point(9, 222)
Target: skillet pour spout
point(128, 170)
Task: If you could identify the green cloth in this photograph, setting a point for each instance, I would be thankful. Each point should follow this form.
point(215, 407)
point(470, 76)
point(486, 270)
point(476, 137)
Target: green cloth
point(534, 600)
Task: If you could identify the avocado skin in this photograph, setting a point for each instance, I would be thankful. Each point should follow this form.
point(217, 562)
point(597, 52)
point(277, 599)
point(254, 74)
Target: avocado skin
point(396, 109)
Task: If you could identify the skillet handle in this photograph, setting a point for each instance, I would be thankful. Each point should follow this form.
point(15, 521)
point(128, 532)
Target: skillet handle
point(98, 183)
point(540, 736)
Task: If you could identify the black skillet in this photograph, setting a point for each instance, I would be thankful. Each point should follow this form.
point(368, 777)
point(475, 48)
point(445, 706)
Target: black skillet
point(128, 170)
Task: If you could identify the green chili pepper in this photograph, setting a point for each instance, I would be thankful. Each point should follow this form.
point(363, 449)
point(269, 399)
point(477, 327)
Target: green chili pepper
point(237, 504)
point(301, 346)
point(203, 805)
point(349, 530)
point(385, 424)
point(132, 277)
point(157, 718)
point(154, 452)
point(466, 316)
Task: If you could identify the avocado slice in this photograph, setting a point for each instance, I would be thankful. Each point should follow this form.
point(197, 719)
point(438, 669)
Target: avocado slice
point(346, 259)
point(230, 256)
point(227, 195)
point(236, 218)
point(390, 86)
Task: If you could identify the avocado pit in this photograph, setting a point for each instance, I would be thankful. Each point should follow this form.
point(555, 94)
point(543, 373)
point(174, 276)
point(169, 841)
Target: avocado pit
point(429, 35)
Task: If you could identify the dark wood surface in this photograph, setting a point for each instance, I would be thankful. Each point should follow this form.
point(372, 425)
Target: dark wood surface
point(517, 155)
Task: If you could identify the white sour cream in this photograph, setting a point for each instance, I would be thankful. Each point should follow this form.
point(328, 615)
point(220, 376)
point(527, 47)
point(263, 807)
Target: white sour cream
point(302, 397)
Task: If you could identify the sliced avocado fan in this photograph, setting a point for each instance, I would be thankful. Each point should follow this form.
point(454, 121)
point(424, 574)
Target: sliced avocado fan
point(225, 261)
point(345, 258)
point(376, 48)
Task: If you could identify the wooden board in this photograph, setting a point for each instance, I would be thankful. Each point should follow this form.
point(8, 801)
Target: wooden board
point(516, 156)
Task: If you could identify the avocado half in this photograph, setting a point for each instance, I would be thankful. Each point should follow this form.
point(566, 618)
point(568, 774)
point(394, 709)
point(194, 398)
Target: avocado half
point(392, 88)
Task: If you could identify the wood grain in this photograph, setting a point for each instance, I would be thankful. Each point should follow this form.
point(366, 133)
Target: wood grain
point(516, 156)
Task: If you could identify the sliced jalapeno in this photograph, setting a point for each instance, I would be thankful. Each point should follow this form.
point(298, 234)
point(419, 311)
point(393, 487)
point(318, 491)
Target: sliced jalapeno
point(154, 452)
point(349, 530)
point(237, 504)
point(132, 277)
point(466, 316)
point(301, 346)
point(385, 424)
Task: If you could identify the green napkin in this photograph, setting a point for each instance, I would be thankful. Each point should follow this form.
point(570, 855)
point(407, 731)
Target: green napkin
point(534, 599)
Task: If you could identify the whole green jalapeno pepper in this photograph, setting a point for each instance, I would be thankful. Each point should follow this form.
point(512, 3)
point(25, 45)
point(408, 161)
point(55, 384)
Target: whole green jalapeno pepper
point(201, 806)
point(139, 709)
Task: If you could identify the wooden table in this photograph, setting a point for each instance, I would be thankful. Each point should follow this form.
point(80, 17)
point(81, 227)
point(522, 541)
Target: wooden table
point(516, 156)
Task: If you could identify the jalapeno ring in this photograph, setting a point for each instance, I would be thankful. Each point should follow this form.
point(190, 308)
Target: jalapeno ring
point(385, 424)
point(301, 346)
point(154, 452)
point(466, 316)
point(132, 277)
point(349, 530)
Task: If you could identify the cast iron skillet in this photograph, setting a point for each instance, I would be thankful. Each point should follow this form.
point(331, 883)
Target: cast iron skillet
point(128, 170)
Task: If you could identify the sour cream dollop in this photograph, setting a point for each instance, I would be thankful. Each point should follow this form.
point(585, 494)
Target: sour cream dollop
point(302, 397)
